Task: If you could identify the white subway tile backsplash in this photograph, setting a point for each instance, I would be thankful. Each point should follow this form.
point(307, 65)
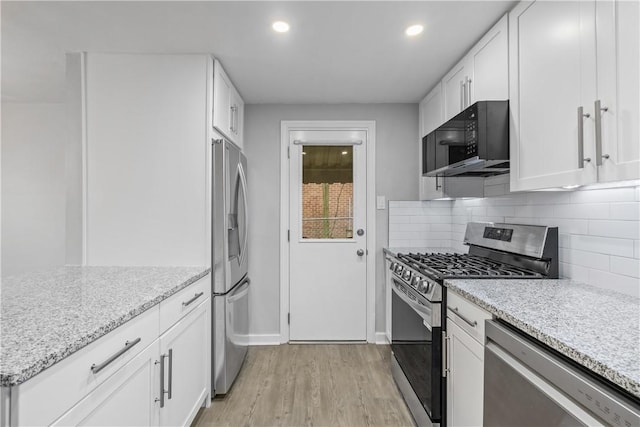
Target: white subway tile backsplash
point(601, 245)
point(628, 211)
point(501, 211)
point(575, 272)
point(532, 211)
point(441, 227)
point(398, 219)
point(585, 259)
point(582, 211)
point(599, 239)
point(620, 229)
point(604, 196)
point(625, 266)
point(617, 282)
point(444, 219)
point(409, 227)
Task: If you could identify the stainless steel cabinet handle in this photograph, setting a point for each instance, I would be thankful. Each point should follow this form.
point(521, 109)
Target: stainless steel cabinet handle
point(467, 321)
point(195, 297)
point(468, 91)
point(231, 118)
point(461, 95)
point(170, 373)
point(162, 390)
point(127, 346)
point(445, 354)
point(581, 158)
point(598, 109)
point(438, 186)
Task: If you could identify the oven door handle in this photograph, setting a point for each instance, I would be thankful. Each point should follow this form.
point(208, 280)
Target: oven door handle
point(424, 312)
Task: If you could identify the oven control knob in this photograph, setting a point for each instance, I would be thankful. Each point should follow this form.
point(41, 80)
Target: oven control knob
point(415, 282)
point(398, 269)
point(423, 287)
point(406, 275)
point(393, 266)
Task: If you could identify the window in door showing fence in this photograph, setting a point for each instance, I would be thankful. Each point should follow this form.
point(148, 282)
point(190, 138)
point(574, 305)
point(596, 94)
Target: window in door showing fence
point(327, 192)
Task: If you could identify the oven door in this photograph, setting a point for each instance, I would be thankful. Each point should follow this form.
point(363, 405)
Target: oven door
point(417, 349)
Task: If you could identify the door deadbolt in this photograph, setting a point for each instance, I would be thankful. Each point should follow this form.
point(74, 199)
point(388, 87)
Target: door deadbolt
point(360, 232)
point(360, 252)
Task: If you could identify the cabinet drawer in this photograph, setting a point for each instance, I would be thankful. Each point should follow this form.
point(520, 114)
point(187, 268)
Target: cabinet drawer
point(176, 306)
point(467, 316)
point(46, 396)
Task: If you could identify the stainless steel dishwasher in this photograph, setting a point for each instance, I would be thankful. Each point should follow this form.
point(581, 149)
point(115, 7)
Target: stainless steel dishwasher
point(526, 384)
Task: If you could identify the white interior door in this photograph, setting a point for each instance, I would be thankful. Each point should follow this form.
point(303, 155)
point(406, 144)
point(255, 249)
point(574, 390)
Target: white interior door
point(328, 235)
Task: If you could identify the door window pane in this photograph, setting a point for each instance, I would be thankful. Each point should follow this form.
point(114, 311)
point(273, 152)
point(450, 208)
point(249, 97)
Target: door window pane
point(327, 192)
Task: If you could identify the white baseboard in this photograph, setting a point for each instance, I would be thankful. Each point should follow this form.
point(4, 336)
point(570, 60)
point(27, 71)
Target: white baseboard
point(381, 338)
point(264, 339)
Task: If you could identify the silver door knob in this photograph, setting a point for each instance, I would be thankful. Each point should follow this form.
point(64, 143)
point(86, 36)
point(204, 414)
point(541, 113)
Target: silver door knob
point(360, 232)
point(360, 252)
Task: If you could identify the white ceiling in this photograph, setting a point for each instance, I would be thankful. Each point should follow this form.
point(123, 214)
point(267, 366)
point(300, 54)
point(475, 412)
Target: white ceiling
point(336, 51)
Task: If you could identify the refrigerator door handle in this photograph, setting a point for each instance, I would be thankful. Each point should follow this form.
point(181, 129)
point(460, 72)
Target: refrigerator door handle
point(245, 225)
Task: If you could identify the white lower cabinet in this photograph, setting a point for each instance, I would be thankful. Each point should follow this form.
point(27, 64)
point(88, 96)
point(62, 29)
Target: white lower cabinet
point(153, 371)
point(465, 361)
point(125, 399)
point(184, 354)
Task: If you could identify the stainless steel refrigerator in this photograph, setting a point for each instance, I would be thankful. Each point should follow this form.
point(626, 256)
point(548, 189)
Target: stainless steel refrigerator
point(229, 252)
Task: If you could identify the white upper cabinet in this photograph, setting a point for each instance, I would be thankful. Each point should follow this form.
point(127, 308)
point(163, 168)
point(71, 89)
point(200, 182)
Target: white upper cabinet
point(489, 62)
point(564, 62)
point(228, 106)
point(454, 86)
point(482, 75)
point(431, 110)
point(618, 88)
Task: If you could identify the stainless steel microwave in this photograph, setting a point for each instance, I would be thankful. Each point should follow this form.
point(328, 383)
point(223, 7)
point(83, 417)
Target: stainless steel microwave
point(473, 143)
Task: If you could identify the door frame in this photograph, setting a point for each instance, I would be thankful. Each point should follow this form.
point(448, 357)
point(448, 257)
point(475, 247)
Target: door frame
point(369, 126)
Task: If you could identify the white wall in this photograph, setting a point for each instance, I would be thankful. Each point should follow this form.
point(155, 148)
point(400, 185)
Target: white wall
point(396, 147)
point(33, 186)
point(599, 230)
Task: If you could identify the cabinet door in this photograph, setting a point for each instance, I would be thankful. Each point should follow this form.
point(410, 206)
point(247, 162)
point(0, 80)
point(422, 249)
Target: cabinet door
point(237, 119)
point(619, 89)
point(185, 347)
point(127, 398)
point(552, 74)
point(454, 89)
point(431, 110)
point(222, 89)
point(490, 61)
point(465, 378)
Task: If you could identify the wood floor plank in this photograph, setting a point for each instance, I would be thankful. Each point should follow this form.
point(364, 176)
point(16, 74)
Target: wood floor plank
point(311, 385)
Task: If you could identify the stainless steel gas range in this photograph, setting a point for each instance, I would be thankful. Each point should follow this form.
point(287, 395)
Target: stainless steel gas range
point(418, 301)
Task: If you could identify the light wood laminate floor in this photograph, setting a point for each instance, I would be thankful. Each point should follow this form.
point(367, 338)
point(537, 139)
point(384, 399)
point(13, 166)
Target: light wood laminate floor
point(312, 385)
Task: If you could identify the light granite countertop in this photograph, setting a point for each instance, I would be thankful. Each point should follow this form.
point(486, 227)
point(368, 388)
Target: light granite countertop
point(597, 328)
point(46, 316)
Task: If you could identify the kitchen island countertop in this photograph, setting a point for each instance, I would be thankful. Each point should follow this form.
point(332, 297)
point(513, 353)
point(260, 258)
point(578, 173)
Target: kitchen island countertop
point(597, 328)
point(46, 316)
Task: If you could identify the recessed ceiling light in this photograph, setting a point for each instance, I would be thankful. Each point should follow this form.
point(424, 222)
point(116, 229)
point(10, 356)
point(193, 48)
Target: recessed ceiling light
point(345, 152)
point(413, 30)
point(280, 26)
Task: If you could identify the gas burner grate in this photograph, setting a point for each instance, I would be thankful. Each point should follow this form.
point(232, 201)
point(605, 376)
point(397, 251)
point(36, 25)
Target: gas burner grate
point(450, 265)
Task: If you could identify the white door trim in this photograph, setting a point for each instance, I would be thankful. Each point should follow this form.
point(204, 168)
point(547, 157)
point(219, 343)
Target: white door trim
point(370, 127)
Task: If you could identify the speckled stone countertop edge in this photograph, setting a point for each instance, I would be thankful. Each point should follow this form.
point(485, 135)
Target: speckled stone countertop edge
point(14, 379)
point(582, 359)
